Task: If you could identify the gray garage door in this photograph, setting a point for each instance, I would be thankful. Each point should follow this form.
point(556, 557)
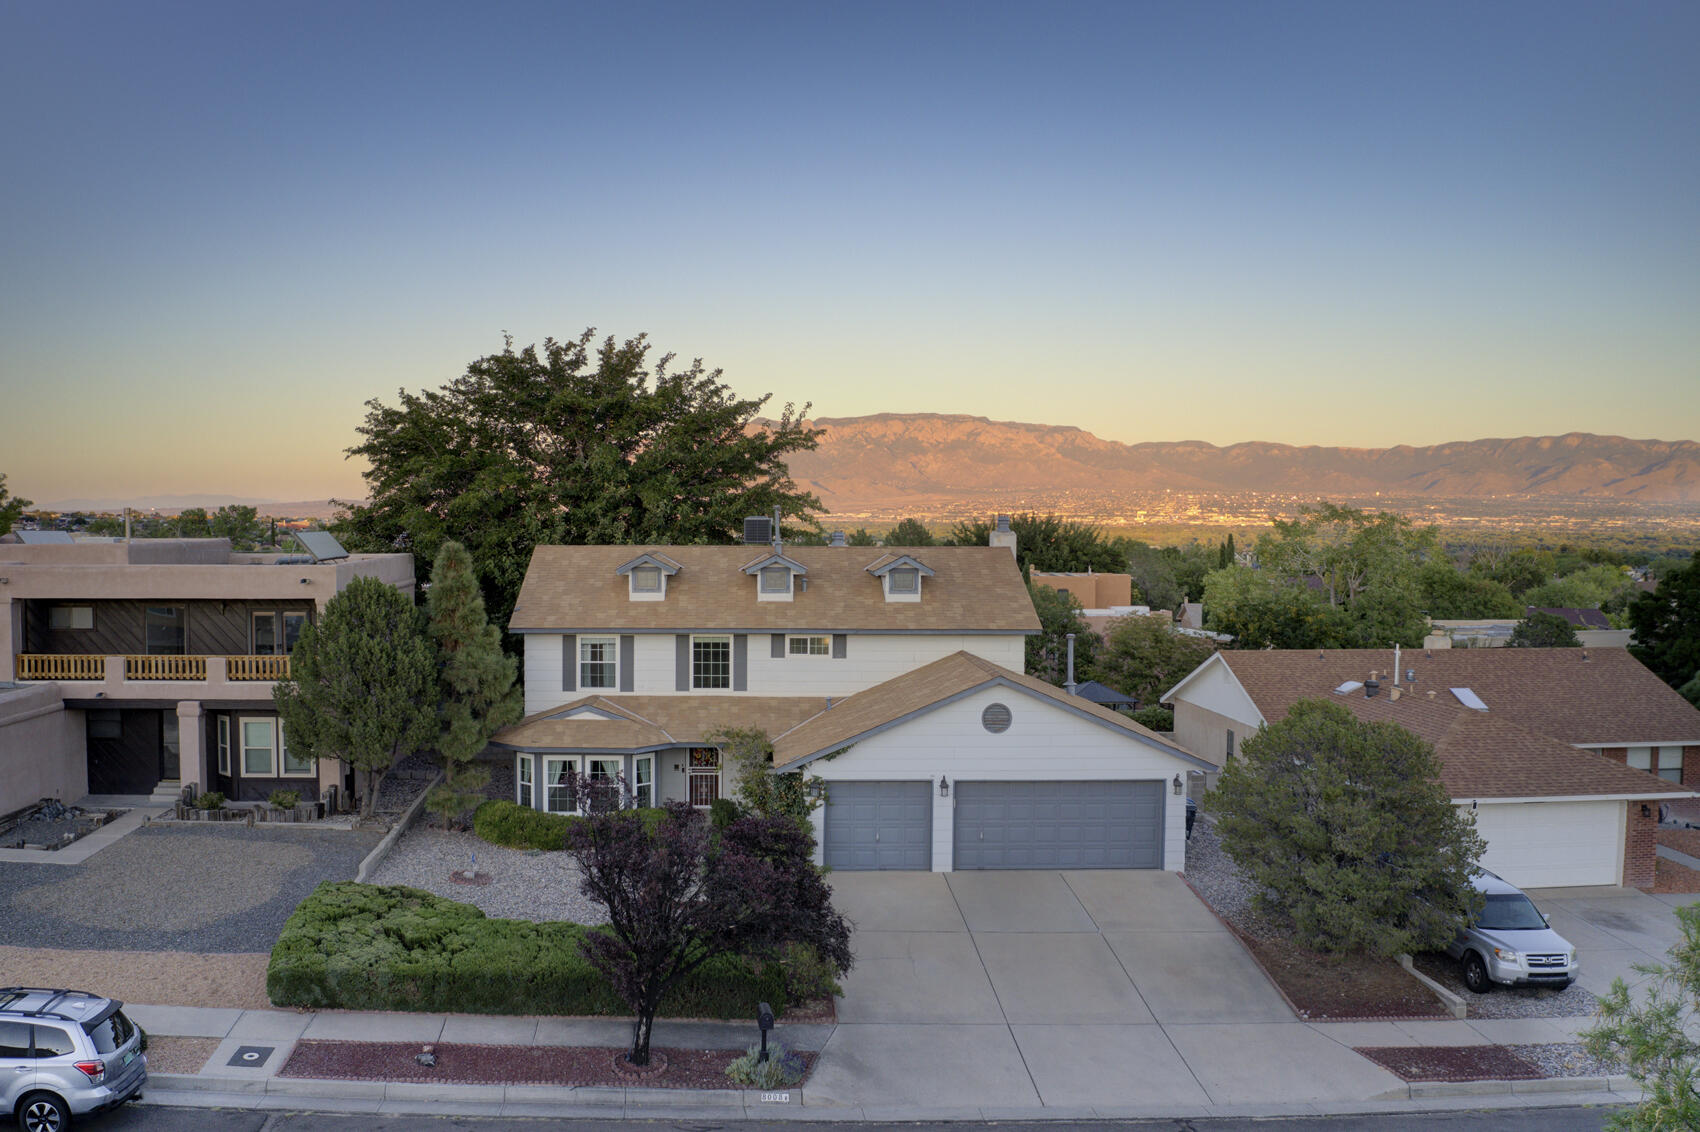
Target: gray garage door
point(1059, 825)
point(879, 825)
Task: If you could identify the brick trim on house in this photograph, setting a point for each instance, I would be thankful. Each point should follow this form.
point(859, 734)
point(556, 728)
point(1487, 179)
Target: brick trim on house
point(1640, 845)
point(1691, 767)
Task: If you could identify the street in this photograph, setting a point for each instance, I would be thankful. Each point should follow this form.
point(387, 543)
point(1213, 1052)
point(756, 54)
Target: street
point(144, 1118)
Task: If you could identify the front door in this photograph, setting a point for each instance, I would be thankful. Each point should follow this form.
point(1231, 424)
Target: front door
point(125, 750)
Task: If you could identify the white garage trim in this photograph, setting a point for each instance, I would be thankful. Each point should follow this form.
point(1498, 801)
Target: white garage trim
point(1553, 844)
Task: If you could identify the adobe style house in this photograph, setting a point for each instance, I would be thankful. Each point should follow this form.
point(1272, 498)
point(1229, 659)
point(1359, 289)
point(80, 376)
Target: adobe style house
point(1564, 755)
point(889, 677)
point(151, 664)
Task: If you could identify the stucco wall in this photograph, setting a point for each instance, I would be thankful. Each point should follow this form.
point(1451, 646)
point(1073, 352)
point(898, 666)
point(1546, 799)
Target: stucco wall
point(41, 748)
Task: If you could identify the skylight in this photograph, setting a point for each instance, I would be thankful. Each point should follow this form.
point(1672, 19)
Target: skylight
point(1348, 687)
point(1469, 699)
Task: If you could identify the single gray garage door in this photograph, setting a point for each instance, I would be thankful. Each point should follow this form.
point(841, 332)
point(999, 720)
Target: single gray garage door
point(1059, 825)
point(879, 825)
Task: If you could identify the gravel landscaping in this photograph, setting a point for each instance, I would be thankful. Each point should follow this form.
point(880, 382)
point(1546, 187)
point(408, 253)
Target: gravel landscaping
point(467, 1064)
point(1452, 1063)
point(203, 888)
point(158, 978)
point(1566, 1059)
point(179, 1055)
point(525, 884)
point(1507, 1002)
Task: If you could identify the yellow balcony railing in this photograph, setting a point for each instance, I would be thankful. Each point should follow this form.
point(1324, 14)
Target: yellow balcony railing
point(258, 667)
point(60, 666)
point(165, 668)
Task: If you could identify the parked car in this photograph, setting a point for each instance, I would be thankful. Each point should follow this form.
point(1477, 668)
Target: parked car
point(1509, 942)
point(65, 1054)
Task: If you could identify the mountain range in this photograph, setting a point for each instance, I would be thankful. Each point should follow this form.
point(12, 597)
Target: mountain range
point(890, 459)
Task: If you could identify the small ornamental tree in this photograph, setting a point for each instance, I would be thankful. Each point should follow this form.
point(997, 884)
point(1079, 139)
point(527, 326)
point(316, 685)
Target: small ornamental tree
point(1653, 1036)
point(762, 792)
point(362, 684)
point(676, 902)
point(1543, 631)
point(1047, 650)
point(1346, 834)
point(479, 696)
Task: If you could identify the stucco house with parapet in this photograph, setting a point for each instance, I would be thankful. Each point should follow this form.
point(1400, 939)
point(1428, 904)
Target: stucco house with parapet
point(148, 665)
point(1563, 755)
point(889, 677)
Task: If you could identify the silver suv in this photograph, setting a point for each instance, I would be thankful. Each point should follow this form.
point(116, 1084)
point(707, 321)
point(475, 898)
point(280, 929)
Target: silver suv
point(66, 1053)
point(1509, 942)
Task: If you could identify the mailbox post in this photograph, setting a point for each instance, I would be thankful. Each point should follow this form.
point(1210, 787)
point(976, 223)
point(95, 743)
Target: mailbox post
point(764, 1019)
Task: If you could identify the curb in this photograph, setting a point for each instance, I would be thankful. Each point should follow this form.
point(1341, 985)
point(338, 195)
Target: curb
point(1422, 1090)
point(602, 1097)
point(1455, 1003)
point(382, 848)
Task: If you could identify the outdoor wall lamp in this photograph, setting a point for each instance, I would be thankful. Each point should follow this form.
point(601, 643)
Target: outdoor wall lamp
point(1646, 810)
point(815, 788)
point(1179, 786)
point(944, 787)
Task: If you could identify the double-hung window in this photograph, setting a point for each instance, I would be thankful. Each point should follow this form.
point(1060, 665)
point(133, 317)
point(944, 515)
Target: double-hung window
point(561, 785)
point(1666, 762)
point(808, 646)
point(258, 738)
point(711, 662)
point(523, 785)
point(293, 765)
point(599, 662)
point(643, 785)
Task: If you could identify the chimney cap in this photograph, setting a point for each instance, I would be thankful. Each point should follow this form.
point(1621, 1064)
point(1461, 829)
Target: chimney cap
point(1003, 524)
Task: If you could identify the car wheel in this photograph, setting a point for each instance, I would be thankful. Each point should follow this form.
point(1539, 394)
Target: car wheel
point(1476, 973)
point(43, 1112)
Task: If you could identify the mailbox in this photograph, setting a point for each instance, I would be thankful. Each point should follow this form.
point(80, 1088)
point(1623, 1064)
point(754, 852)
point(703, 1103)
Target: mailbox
point(764, 1019)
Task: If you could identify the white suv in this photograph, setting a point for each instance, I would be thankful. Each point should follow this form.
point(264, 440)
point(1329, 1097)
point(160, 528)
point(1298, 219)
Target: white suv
point(1509, 942)
point(66, 1053)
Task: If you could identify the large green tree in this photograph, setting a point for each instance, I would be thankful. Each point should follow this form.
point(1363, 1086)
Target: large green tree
point(1260, 612)
point(1047, 650)
point(478, 680)
point(10, 507)
point(1449, 593)
point(1543, 631)
point(909, 532)
point(1346, 549)
point(1155, 579)
point(362, 684)
point(1346, 833)
point(572, 442)
point(1144, 657)
point(1667, 627)
point(1049, 542)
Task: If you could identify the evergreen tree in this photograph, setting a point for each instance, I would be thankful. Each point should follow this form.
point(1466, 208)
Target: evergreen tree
point(909, 532)
point(11, 507)
point(362, 684)
point(479, 693)
point(1543, 631)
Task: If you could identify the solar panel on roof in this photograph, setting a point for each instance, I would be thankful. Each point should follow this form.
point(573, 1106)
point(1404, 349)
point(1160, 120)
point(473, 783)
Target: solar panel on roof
point(1469, 699)
point(322, 545)
point(45, 538)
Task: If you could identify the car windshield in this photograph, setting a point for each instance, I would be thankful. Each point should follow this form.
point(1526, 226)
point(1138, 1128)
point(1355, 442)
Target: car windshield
point(1509, 912)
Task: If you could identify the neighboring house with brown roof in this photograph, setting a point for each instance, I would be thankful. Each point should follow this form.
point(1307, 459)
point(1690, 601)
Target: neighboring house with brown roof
point(889, 677)
point(1564, 755)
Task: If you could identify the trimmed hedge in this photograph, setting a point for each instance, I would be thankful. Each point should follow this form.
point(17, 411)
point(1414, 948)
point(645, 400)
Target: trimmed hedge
point(521, 827)
point(371, 947)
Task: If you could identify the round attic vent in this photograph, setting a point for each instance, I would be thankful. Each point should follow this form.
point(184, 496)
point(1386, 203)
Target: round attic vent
point(995, 718)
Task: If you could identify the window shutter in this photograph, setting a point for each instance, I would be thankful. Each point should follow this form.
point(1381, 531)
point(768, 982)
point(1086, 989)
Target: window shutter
point(628, 655)
point(569, 663)
point(740, 662)
point(840, 645)
point(682, 662)
point(778, 646)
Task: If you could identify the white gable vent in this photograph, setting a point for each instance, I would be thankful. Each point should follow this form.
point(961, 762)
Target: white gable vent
point(995, 718)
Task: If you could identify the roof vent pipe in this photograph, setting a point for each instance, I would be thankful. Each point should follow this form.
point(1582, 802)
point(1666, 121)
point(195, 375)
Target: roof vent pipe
point(1371, 687)
point(838, 539)
point(1070, 686)
point(1395, 664)
point(777, 540)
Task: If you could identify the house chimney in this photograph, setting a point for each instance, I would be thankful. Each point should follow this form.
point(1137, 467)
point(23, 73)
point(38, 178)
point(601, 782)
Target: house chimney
point(838, 539)
point(1395, 692)
point(1002, 535)
point(1070, 686)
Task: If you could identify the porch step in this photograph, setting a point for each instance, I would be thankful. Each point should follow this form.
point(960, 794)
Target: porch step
point(167, 792)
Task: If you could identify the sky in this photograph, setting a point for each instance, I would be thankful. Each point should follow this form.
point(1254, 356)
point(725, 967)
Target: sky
point(225, 227)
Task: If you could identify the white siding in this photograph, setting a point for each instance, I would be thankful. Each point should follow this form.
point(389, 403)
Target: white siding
point(1043, 742)
point(868, 660)
point(1553, 844)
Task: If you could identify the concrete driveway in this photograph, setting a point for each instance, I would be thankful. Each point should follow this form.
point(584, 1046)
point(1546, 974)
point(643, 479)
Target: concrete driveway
point(1075, 989)
point(1613, 929)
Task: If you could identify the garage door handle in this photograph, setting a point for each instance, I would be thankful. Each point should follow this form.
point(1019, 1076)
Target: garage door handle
point(876, 835)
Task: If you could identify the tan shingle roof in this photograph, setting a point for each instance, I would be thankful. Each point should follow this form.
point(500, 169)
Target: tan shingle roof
point(927, 687)
point(1577, 696)
point(974, 589)
point(649, 722)
point(1482, 754)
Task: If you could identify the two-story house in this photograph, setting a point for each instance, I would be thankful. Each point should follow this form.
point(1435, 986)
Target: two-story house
point(162, 654)
point(889, 677)
point(1564, 756)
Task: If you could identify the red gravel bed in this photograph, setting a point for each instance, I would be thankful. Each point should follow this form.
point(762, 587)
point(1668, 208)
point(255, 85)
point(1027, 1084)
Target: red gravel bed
point(1668, 876)
point(1452, 1063)
point(1682, 840)
point(469, 1064)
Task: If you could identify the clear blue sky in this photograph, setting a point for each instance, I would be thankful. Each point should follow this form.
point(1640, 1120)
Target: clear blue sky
point(223, 226)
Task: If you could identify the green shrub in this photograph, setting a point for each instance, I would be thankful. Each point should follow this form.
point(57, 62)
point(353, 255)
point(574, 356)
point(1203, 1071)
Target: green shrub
point(521, 827)
point(782, 1067)
point(211, 800)
point(1156, 718)
point(284, 799)
point(722, 812)
point(367, 947)
point(807, 975)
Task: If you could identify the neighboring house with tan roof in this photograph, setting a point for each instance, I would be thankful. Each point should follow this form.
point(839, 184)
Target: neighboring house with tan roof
point(1564, 755)
point(889, 677)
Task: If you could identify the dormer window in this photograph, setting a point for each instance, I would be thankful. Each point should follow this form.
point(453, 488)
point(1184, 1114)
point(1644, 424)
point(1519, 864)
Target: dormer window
point(776, 576)
point(646, 576)
point(775, 580)
point(900, 575)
